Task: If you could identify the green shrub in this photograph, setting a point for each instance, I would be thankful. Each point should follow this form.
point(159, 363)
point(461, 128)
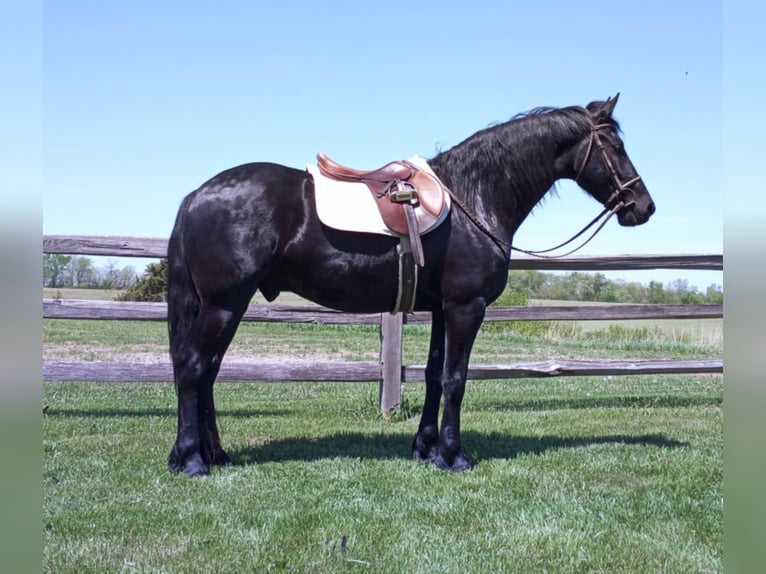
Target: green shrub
point(151, 286)
point(511, 298)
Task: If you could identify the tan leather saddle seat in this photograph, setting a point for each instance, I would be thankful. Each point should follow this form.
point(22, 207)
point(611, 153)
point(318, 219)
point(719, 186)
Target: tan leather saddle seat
point(389, 172)
point(396, 187)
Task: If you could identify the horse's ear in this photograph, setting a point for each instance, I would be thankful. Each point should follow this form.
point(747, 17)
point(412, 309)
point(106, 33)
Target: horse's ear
point(607, 108)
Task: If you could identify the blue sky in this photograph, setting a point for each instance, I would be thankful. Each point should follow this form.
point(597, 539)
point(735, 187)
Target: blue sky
point(144, 101)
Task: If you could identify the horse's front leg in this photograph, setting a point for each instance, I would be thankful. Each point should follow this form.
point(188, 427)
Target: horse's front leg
point(462, 323)
point(425, 447)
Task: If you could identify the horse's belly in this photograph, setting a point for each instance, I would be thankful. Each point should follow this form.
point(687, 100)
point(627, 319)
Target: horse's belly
point(347, 281)
point(352, 292)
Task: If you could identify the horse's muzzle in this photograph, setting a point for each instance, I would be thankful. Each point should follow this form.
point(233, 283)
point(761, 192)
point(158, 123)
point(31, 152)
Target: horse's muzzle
point(635, 214)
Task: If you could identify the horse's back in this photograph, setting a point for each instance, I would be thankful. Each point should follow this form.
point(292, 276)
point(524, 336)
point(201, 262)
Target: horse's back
point(237, 186)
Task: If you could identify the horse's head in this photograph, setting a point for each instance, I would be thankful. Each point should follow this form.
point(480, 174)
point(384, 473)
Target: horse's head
point(605, 171)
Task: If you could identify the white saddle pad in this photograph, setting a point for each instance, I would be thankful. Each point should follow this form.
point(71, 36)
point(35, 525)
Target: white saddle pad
point(350, 206)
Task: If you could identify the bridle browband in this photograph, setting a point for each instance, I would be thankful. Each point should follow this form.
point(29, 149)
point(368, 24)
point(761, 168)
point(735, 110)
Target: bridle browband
point(621, 189)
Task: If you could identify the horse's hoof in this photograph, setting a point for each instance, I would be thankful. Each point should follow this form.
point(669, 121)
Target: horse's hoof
point(220, 458)
point(459, 463)
point(174, 462)
point(425, 446)
point(429, 456)
point(193, 466)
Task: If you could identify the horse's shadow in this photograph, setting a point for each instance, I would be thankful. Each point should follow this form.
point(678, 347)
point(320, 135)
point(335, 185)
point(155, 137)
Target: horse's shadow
point(481, 446)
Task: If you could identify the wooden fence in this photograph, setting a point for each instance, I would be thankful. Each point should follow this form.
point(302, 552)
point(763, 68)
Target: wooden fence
point(389, 370)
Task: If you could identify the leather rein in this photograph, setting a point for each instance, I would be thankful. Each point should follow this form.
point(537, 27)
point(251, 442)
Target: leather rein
point(621, 189)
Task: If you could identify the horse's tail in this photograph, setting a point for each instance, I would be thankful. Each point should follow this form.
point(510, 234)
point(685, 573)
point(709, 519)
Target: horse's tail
point(183, 300)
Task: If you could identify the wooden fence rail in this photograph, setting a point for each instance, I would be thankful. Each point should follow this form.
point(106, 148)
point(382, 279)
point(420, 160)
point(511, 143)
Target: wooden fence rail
point(109, 245)
point(389, 370)
point(270, 371)
point(275, 313)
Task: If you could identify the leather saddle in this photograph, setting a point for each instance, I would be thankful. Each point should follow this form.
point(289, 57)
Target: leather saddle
point(411, 199)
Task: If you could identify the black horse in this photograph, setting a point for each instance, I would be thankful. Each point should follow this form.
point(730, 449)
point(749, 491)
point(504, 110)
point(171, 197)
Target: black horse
point(255, 227)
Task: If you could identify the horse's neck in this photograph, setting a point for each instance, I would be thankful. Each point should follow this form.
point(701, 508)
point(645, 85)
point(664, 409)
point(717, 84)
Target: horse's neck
point(504, 190)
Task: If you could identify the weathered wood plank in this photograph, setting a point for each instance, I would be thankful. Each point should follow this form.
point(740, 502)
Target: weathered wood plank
point(111, 310)
point(391, 338)
point(591, 313)
point(281, 371)
point(122, 246)
point(132, 310)
point(596, 367)
point(710, 262)
point(113, 245)
point(276, 313)
point(572, 368)
point(263, 371)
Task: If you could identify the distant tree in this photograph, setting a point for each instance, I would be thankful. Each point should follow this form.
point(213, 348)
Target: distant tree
point(577, 286)
point(613, 292)
point(634, 293)
point(596, 287)
point(531, 281)
point(83, 273)
point(655, 293)
point(560, 287)
point(513, 296)
point(55, 269)
point(107, 275)
point(584, 286)
point(126, 277)
point(680, 286)
point(714, 294)
point(691, 298)
point(112, 277)
point(151, 286)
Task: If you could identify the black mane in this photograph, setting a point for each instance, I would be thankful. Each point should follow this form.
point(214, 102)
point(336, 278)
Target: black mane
point(510, 159)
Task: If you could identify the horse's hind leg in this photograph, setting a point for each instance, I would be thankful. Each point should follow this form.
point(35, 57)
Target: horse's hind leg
point(196, 363)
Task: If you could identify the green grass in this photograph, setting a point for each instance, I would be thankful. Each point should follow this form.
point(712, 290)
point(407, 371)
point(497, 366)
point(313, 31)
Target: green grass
point(579, 474)
point(572, 475)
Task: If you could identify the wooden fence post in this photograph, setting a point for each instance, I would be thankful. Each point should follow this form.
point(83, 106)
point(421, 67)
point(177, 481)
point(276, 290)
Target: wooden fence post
point(391, 361)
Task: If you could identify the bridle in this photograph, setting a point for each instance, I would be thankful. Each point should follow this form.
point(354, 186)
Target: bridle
point(620, 186)
point(621, 190)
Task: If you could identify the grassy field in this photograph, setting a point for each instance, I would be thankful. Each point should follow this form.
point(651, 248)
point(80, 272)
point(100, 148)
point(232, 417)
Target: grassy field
point(579, 474)
point(87, 294)
point(706, 332)
point(143, 341)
